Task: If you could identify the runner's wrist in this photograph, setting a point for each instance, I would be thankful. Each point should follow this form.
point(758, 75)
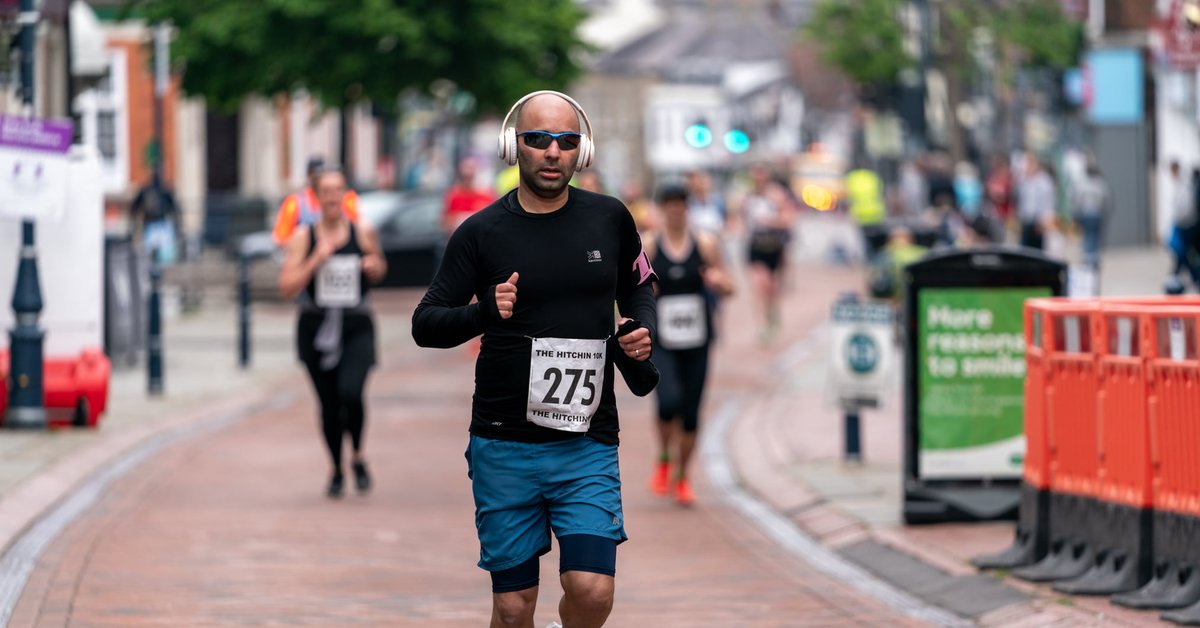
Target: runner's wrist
point(488, 307)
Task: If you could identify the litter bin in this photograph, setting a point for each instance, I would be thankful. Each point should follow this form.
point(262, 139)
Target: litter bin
point(964, 377)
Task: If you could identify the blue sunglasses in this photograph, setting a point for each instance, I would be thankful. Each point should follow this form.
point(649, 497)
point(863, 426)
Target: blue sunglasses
point(541, 139)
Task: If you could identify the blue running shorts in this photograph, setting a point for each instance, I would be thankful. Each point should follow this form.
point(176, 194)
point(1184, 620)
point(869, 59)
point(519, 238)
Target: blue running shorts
point(525, 490)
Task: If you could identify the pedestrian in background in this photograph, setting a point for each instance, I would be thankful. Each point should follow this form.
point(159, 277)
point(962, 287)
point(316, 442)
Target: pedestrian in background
point(640, 206)
point(329, 266)
point(1184, 225)
point(465, 196)
point(589, 180)
point(968, 190)
point(912, 189)
point(1089, 197)
point(304, 208)
point(1036, 201)
point(940, 179)
point(768, 214)
point(154, 209)
point(864, 195)
point(706, 208)
point(689, 266)
point(545, 264)
point(999, 191)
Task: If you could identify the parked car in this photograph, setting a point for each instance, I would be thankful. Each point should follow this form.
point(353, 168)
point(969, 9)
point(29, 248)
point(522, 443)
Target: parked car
point(410, 233)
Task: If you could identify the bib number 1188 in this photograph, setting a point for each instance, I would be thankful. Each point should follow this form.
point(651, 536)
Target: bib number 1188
point(556, 378)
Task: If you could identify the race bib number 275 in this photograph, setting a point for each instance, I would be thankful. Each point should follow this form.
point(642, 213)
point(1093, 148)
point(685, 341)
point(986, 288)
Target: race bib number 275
point(566, 378)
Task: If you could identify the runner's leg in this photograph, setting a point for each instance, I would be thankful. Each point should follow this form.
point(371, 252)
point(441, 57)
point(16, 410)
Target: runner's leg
point(514, 608)
point(586, 570)
point(587, 598)
point(326, 385)
point(694, 372)
point(669, 394)
point(763, 280)
point(352, 379)
point(514, 594)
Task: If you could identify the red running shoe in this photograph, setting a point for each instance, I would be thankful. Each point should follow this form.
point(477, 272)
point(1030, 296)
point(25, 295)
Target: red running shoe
point(683, 493)
point(660, 481)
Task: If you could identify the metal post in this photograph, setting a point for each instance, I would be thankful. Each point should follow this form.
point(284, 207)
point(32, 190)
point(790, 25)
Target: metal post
point(154, 358)
point(154, 345)
point(244, 311)
point(26, 398)
point(853, 442)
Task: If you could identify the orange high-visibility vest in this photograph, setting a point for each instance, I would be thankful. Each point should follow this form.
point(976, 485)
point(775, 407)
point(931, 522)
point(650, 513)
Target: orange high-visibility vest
point(302, 208)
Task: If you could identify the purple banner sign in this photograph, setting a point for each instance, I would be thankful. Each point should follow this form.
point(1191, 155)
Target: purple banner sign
point(51, 136)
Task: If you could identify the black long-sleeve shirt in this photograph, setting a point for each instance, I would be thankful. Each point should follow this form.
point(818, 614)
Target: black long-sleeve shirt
point(572, 263)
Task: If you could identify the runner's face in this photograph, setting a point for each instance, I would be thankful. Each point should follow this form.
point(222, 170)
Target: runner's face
point(675, 212)
point(546, 172)
point(331, 187)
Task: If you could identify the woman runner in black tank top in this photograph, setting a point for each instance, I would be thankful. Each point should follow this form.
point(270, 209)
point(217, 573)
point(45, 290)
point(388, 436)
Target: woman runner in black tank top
point(328, 269)
point(690, 271)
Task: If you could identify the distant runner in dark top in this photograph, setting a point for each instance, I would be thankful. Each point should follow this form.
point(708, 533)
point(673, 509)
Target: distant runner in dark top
point(329, 266)
point(690, 271)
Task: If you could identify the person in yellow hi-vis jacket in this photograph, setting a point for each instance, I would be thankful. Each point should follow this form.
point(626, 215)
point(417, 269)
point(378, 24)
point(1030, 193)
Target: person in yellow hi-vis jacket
point(864, 194)
point(864, 198)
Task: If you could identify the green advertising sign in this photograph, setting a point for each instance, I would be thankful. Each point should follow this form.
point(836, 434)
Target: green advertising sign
point(971, 376)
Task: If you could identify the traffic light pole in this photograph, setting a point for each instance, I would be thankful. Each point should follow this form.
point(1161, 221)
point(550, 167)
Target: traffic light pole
point(25, 399)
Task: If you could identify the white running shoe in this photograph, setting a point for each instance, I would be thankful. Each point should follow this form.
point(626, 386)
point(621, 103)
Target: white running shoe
point(553, 624)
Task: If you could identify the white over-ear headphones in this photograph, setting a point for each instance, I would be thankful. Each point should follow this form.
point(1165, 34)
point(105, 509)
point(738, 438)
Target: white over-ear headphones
point(506, 148)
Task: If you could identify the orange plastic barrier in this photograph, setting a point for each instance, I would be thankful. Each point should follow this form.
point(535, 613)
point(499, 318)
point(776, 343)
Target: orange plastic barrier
point(1112, 426)
point(1036, 471)
point(1072, 387)
point(1174, 407)
point(1124, 472)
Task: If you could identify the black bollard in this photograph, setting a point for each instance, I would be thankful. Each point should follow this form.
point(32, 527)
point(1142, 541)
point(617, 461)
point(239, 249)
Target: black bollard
point(244, 311)
point(154, 344)
point(25, 409)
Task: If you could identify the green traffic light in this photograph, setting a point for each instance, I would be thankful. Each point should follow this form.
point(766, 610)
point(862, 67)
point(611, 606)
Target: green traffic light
point(736, 141)
point(698, 136)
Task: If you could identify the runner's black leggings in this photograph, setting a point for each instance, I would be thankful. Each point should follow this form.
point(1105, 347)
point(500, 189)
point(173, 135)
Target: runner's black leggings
point(681, 384)
point(340, 391)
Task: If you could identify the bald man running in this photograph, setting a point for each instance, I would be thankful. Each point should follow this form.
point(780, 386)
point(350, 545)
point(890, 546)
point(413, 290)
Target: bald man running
point(545, 263)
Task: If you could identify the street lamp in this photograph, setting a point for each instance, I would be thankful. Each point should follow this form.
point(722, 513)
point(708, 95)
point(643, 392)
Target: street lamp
point(25, 409)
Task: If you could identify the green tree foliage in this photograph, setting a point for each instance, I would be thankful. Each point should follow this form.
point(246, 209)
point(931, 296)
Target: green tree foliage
point(343, 52)
point(865, 38)
point(862, 38)
point(1041, 33)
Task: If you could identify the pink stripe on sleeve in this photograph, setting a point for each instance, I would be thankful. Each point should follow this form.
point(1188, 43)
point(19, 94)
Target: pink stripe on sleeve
point(642, 266)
